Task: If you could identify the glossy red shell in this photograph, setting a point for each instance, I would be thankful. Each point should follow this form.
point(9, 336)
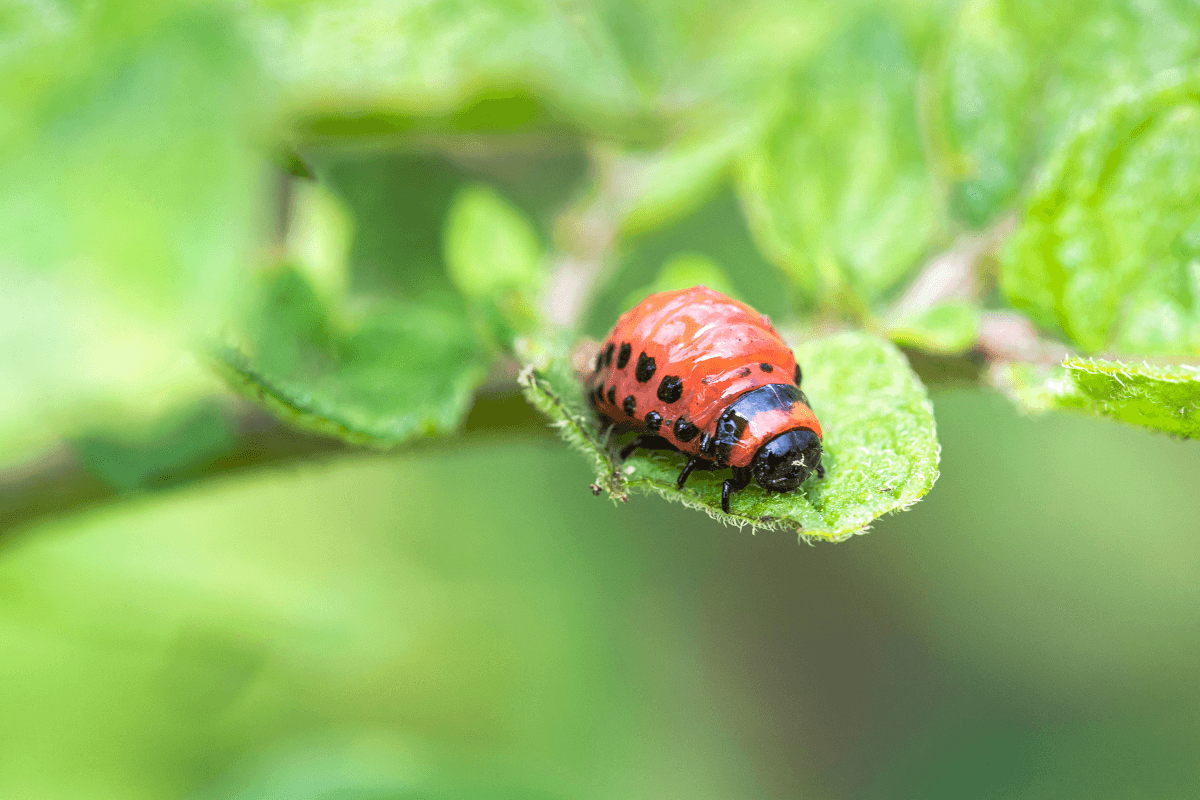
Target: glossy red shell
point(718, 348)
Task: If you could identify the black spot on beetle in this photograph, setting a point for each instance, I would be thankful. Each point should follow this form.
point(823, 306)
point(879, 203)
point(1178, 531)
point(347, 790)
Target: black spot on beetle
point(685, 431)
point(671, 389)
point(599, 361)
point(743, 372)
point(623, 355)
point(797, 379)
point(608, 353)
point(612, 395)
point(629, 405)
point(645, 368)
point(653, 421)
point(766, 367)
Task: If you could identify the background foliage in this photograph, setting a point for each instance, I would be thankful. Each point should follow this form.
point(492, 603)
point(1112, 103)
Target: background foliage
point(368, 217)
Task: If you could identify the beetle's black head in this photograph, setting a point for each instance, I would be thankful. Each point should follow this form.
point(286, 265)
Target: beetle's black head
point(786, 461)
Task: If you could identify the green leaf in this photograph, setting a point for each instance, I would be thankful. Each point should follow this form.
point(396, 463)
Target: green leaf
point(401, 61)
point(1162, 398)
point(881, 450)
point(490, 247)
point(1019, 76)
point(659, 186)
point(1109, 245)
point(130, 199)
point(839, 195)
point(949, 328)
point(319, 237)
point(991, 81)
point(495, 259)
point(398, 372)
point(715, 231)
point(626, 70)
point(123, 156)
point(682, 272)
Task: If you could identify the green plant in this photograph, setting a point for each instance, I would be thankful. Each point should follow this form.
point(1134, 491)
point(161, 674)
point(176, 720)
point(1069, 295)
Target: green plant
point(368, 215)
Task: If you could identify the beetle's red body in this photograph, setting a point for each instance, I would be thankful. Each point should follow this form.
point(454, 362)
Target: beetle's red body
point(676, 364)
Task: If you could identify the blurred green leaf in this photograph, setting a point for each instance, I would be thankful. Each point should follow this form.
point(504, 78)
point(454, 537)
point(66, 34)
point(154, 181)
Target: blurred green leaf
point(991, 81)
point(658, 186)
point(1161, 398)
point(490, 247)
point(715, 231)
point(495, 259)
point(681, 272)
point(400, 204)
point(1019, 76)
point(629, 70)
point(839, 194)
point(1109, 245)
point(401, 61)
point(319, 236)
point(949, 328)
point(399, 371)
point(124, 158)
point(130, 197)
point(881, 449)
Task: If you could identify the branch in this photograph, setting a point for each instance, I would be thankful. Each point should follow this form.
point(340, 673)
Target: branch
point(59, 483)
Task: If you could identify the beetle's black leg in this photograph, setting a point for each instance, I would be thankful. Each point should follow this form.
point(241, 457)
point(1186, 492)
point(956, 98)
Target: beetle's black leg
point(740, 480)
point(820, 471)
point(693, 462)
point(634, 444)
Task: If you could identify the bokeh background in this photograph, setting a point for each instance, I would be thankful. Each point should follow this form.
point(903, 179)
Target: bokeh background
point(199, 601)
point(380, 627)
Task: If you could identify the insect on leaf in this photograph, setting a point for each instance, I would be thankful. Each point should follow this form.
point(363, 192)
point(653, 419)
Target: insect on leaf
point(881, 449)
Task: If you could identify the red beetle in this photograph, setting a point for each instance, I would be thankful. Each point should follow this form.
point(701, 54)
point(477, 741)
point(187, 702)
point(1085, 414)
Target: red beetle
point(696, 371)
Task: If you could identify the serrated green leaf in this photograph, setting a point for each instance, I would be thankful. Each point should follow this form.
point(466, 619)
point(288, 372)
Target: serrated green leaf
point(1109, 243)
point(1162, 398)
point(627, 70)
point(881, 450)
point(949, 328)
point(397, 373)
point(839, 194)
